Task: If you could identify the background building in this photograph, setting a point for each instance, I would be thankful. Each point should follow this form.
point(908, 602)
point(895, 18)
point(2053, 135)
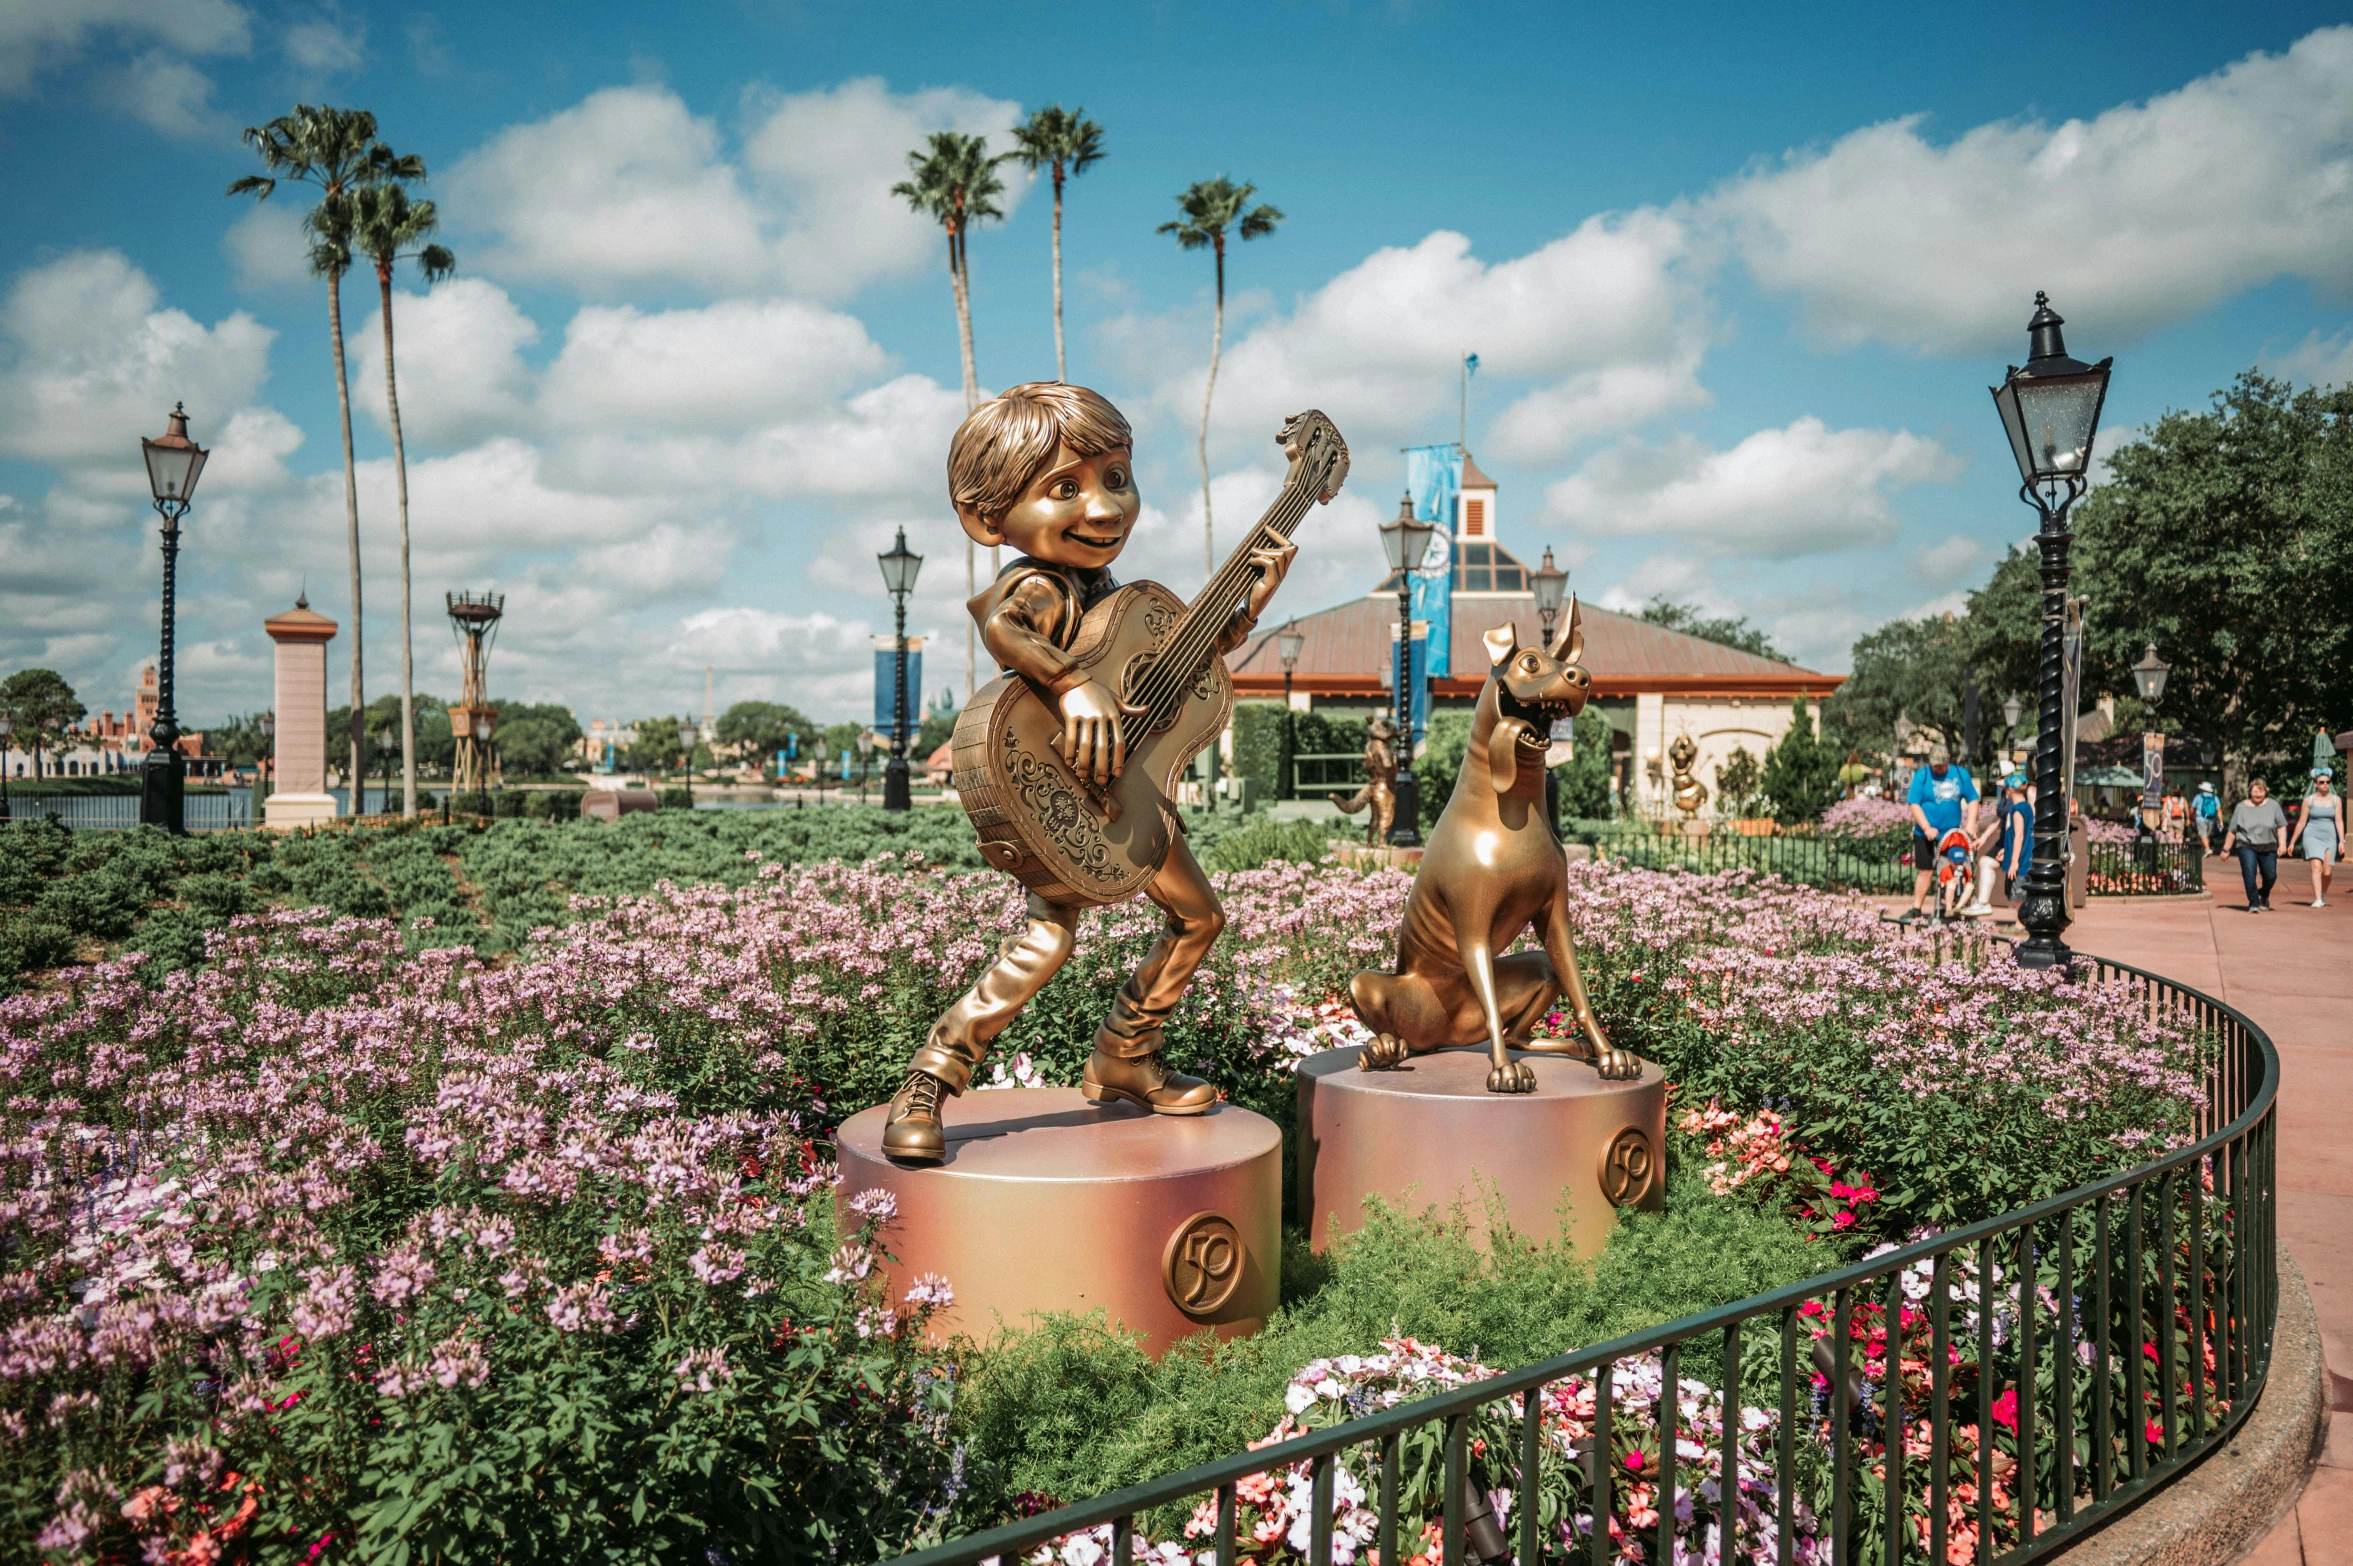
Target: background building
point(1650, 683)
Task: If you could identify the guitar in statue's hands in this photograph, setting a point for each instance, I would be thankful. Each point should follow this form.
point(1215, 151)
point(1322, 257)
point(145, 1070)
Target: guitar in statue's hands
point(1051, 824)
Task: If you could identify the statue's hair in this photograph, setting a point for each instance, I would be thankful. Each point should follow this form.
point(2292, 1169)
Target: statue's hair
point(1006, 442)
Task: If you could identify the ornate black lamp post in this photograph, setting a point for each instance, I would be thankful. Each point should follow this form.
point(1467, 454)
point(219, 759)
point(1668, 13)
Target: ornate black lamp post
point(898, 577)
point(267, 726)
point(173, 464)
point(7, 733)
point(686, 738)
point(1290, 642)
point(1404, 542)
point(2050, 410)
point(2148, 677)
point(820, 769)
point(865, 760)
point(1552, 585)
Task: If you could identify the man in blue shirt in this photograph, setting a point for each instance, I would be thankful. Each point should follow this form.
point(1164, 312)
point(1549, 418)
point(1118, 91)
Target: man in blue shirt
point(1943, 798)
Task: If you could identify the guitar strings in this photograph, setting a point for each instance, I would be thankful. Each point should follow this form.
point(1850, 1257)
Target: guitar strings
point(1174, 669)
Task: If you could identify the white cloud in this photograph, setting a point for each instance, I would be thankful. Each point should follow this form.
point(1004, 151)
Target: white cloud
point(631, 188)
point(1602, 313)
point(2316, 361)
point(827, 160)
point(1947, 563)
point(1779, 493)
point(462, 374)
point(96, 363)
point(2139, 217)
point(326, 45)
point(266, 247)
point(37, 35)
point(732, 366)
point(166, 93)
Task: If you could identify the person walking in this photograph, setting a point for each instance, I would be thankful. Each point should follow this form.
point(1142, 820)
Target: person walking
point(2317, 823)
point(1943, 798)
point(2206, 817)
point(2255, 825)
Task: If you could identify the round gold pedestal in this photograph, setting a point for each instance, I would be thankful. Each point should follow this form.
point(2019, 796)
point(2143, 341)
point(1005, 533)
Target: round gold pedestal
point(1046, 1202)
point(1428, 1133)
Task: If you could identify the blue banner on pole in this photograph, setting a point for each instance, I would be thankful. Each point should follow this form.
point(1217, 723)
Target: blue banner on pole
point(886, 684)
point(1434, 475)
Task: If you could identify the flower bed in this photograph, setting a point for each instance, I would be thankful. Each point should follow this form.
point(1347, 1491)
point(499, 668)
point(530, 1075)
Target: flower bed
point(332, 1246)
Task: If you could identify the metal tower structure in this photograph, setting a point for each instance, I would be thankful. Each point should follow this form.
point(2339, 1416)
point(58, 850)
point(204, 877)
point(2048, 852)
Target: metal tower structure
point(474, 617)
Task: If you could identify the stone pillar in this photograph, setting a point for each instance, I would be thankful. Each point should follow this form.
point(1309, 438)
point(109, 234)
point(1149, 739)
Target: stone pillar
point(300, 797)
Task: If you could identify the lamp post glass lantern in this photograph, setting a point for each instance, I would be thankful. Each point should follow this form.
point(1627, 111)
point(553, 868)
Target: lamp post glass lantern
point(174, 463)
point(899, 568)
point(1290, 642)
point(2050, 411)
point(1404, 541)
point(1552, 587)
point(2148, 678)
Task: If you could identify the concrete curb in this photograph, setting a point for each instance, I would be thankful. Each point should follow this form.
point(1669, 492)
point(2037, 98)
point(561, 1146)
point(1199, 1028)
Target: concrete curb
point(2154, 897)
point(2225, 1505)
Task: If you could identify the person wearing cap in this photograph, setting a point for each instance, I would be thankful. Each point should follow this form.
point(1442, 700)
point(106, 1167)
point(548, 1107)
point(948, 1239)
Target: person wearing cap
point(2005, 848)
point(2255, 825)
point(1943, 798)
point(2206, 816)
point(2317, 820)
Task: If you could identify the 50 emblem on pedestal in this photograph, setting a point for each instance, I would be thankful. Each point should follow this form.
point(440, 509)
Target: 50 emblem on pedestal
point(1202, 1265)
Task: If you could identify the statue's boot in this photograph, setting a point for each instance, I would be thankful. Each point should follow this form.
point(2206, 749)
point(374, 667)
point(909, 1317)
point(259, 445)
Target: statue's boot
point(912, 1134)
point(1145, 1081)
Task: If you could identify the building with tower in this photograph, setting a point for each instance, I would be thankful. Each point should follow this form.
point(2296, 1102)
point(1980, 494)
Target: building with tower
point(1650, 684)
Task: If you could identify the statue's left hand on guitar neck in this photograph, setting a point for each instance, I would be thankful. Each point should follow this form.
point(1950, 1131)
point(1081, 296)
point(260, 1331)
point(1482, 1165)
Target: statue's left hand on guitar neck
point(1274, 563)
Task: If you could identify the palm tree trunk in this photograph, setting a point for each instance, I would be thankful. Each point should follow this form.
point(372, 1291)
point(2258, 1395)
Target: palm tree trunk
point(1217, 338)
point(400, 469)
point(355, 777)
point(971, 401)
point(964, 333)
point(1061, 366)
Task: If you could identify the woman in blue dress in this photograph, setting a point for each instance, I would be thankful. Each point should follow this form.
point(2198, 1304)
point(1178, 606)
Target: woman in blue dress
point(2319, 822)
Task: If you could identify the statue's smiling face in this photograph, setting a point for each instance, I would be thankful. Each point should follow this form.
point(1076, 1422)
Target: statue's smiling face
point(1078, 512)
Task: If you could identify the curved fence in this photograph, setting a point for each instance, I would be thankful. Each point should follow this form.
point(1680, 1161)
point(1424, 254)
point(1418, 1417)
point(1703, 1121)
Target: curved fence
point(2156, 868)
point(1986, 1395)
point(1879, 864)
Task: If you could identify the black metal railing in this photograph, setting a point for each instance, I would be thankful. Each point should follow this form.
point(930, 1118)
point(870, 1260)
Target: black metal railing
point(2051, 1366)
point(1833, 864)
point(2155, 868)
point(1322, 775)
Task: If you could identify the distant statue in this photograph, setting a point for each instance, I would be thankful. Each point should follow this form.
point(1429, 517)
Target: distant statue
point(1690, 792)
point(1379, 791)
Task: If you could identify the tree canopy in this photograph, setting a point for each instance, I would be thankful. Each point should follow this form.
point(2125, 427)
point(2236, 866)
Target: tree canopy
point(1724, 630)
point(761, 727)
point(2226, 537)
point(42, 707)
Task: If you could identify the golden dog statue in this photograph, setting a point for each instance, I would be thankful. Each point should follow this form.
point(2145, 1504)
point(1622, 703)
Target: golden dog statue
point(1492, 869)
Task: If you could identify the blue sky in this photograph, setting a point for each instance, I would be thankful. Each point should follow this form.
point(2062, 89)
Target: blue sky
point(1738, 282)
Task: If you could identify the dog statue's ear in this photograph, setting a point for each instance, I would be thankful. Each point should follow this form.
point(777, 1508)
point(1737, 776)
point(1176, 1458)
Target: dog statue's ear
point(1569, 645)
point(1501, 642)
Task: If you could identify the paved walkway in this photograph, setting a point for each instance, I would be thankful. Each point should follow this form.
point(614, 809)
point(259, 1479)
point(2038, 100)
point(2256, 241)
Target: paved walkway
point(2290, 970)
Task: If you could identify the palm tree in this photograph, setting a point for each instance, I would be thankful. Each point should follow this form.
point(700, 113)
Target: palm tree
point(1068, 143)
point(336, 150)
point(1211, 207)
point(956, 186)
point(388, 226)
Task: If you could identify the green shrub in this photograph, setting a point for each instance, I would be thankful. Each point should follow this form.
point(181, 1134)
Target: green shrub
point(1068, 1408)
point(1262, 840)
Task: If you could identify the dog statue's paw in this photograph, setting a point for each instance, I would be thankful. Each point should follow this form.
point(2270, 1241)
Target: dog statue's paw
point(1513, 1076)
point(1385, 1053)
point(1617, 1065)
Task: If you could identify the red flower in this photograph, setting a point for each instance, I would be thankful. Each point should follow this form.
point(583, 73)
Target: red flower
point(2156, 1433)
point(2006, 1411)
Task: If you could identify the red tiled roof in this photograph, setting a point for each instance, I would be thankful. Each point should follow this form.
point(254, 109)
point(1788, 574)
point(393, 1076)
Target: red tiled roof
point(1350, 644)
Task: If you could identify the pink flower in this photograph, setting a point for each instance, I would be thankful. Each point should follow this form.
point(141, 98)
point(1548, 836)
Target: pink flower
point(2006, 1411)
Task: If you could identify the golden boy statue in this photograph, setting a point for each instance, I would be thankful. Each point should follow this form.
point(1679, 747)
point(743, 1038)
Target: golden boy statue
point(1045, 468)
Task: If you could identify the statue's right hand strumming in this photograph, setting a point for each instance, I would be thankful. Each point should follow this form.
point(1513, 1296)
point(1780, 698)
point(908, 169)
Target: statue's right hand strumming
point(1094, 741)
